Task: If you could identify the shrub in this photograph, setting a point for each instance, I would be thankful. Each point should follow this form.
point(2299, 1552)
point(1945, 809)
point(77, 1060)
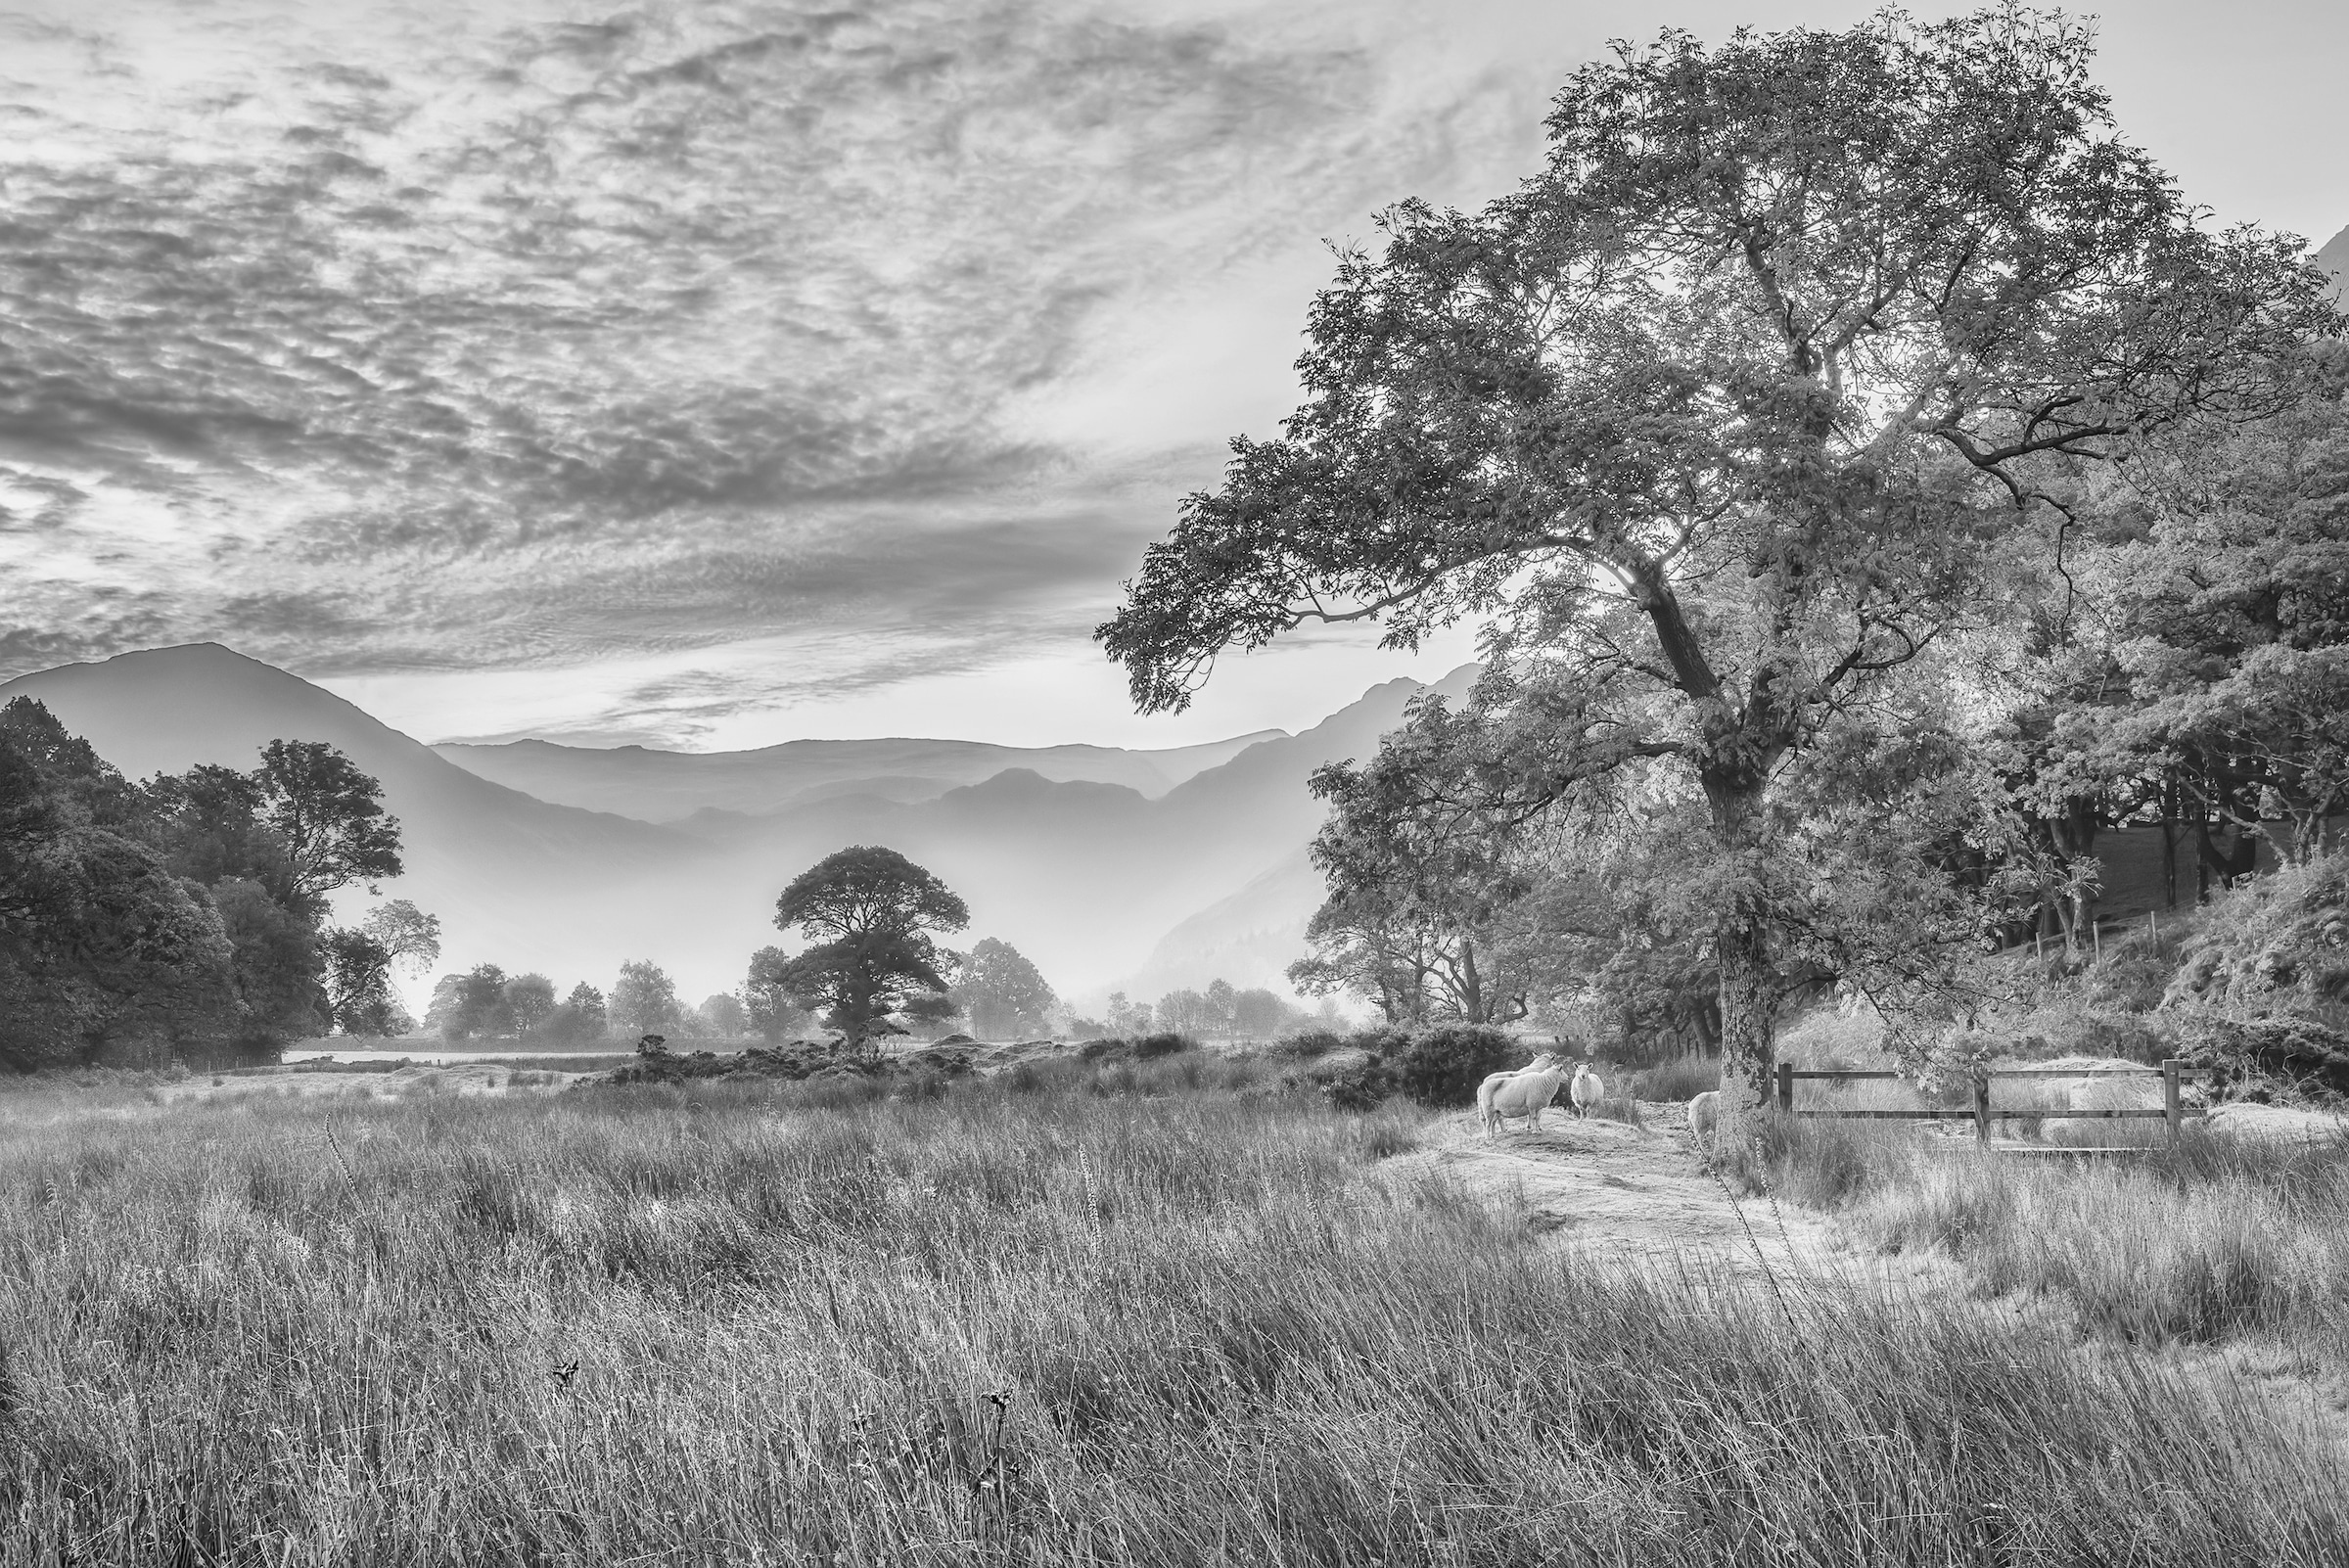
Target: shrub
point(1141, 1049)
point(1442, 1067)
point(1364, 1087)
point(2257, 1059)
point(2278, 944)
point(1310, 1044)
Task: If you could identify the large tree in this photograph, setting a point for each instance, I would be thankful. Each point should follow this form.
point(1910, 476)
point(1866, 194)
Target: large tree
point(100, 941)
point(1719, 415)
point(768, 1006)
point(328, 815)
point(644, 999)
point(869, 913)
point(1422, 872)
point(360, 962)
point(1000, 992)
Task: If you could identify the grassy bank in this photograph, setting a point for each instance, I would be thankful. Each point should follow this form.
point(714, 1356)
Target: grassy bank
point(1029, 1322)
point(2212, 1240)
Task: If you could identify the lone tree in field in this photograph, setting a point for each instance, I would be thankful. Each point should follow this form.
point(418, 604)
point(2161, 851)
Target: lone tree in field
point(869, 913)
point(1720, 414)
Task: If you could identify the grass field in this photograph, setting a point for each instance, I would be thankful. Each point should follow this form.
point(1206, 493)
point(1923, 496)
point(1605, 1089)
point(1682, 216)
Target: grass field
point(1065, 1318)
point(2211, 1242)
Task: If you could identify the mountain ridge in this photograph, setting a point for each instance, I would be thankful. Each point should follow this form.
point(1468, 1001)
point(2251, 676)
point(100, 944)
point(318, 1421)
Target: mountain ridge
point(656, 786)
point(1090, 878)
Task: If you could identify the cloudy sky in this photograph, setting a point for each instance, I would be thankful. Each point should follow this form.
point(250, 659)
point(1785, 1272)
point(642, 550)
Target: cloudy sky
point(707, 373)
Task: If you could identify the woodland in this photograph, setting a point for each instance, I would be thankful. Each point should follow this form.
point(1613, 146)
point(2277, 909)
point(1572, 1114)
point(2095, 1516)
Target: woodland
point(1874, 481)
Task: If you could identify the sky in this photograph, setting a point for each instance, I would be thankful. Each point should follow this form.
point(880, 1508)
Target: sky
point(711, 374)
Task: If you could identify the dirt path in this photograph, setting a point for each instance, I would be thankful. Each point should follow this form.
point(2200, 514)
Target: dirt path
point(1617, 1190)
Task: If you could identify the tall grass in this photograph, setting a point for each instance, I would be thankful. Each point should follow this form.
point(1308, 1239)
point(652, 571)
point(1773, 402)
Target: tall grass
point(1683, 1078)
point(2210, 1241)
point(1029, 1323)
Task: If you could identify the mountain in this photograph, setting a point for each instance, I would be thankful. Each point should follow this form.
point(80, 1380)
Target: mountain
point(660, 786)
point(2333, 257)
point(1185, 860)
point(503, 871)
point(1249, 938)
point(1089, 878)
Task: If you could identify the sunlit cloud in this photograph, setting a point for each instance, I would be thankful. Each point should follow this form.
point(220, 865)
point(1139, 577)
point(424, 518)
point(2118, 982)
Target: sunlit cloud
point(555, 342)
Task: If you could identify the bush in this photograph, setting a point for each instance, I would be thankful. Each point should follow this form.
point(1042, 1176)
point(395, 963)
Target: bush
point(2261, 1058)
point(1364, 1087)
point(1442, 1067)
point(2278, 944)
point(1142, 1049)
point(1313, 1044)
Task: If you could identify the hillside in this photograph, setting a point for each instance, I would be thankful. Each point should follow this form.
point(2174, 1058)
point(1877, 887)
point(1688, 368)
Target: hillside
point(661, 786)
point(1088, 876)
point(511, 877)
point(1249, 938)
point(2333, 257)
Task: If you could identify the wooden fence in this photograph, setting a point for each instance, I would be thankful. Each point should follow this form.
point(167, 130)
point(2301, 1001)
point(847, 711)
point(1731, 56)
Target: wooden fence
point(1982, 1113)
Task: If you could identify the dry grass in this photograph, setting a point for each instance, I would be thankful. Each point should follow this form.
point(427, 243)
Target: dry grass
point(1045, 1323)
point(2210, 1241)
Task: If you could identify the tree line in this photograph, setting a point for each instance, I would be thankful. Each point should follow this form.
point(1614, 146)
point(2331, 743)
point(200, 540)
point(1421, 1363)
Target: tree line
point(191, 913)
point(1874, 481)
point(872, 967)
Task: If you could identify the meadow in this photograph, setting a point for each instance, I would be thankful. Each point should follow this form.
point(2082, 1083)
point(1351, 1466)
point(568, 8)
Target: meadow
point(2222, 1242)
point(1148, 1315)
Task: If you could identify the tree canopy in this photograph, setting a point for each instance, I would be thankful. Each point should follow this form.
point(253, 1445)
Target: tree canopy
point(870, 913)
point(1734, 410)
point(644, 999)
point(1000, 992)
point(185, 909)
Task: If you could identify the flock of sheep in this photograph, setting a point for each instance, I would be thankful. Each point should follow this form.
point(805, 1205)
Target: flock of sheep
point(1528, 1090)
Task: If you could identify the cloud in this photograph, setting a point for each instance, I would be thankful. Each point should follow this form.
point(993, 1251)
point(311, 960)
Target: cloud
point(535, 334)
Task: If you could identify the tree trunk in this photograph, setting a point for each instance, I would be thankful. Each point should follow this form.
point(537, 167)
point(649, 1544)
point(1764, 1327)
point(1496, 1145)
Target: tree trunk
point(1749, 980)
point(2168, 840)
point(1748, 1021)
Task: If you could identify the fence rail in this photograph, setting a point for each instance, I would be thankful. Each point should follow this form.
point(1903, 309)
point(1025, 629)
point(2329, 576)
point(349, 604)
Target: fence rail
point(2172, 1111)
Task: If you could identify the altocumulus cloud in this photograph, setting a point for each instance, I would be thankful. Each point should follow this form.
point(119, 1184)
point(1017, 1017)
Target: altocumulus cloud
point(476, 336)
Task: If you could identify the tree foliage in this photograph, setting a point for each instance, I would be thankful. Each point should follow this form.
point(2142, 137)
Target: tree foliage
point(179, 911)
point(1000, 993)
point(361, 963)
point(869, 913)
point(1726, 417)
point(644, 999)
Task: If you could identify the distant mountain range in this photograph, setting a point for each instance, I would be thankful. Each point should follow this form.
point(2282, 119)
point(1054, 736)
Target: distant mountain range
point(1150, 869)
point(662, 786)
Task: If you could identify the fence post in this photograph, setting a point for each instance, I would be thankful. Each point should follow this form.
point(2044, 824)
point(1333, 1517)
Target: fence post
point(1786, 1087)
point(1982, 1109)
point(2171, 1112)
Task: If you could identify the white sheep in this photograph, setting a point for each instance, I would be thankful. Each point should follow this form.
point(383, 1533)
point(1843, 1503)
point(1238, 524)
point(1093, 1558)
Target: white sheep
point(1704, 1114)
point(1585, 1091)
point(1523, 1093)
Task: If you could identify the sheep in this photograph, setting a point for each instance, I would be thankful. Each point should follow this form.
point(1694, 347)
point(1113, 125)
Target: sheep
point(1523, 1093)
point(1587, 1090)
point(1704, 1115)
